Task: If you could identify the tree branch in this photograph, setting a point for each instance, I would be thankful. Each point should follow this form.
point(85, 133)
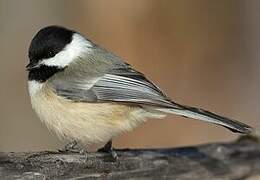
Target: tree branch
point(236, 160)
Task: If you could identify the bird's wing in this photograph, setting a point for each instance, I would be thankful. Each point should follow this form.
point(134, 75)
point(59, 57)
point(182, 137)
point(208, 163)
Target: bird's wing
point(122, 84)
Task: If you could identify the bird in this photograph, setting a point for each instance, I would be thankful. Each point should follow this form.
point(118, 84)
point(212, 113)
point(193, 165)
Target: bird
point(88, 95)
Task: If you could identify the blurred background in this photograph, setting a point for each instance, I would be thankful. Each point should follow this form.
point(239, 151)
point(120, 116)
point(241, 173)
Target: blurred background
point(203, 53)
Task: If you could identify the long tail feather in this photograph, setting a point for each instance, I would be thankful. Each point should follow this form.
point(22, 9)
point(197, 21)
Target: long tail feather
point(200, 114)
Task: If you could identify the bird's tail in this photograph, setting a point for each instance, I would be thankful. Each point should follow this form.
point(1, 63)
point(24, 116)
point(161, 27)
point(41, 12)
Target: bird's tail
point(200, 114)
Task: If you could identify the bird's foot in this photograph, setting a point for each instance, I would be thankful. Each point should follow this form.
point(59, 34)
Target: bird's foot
point(71, 147)
point(84, 152)
point(109, 149)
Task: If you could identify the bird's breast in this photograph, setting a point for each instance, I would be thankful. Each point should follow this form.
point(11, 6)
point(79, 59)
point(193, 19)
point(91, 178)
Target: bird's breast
point(85, 122)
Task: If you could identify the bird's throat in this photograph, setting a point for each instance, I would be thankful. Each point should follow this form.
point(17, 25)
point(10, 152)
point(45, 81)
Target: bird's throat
point(43, 73)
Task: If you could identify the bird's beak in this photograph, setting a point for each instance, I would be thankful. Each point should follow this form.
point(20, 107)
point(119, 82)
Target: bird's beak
point(31, 66)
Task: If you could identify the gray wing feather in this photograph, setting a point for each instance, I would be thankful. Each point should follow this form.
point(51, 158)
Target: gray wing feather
point(133, 89)
point(126, 86)
point(103, 77)
point(113, 80)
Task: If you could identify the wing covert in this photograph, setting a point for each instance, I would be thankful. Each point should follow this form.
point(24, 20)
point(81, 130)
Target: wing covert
point(125, 87)
point(129, 89)
point(103, 77)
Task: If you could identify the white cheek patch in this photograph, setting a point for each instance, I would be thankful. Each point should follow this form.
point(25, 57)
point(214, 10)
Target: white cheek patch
point(78, 46)
point(34, 87)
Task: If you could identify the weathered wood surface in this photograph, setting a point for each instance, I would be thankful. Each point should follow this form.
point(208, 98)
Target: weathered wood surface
point(237, 160)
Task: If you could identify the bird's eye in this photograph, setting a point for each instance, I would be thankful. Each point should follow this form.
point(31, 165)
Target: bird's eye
point(51, 53)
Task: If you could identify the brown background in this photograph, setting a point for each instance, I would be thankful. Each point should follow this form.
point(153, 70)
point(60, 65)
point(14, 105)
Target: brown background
point(200, 52)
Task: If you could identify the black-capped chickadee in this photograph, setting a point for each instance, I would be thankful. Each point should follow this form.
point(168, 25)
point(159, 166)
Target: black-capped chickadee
point(85, 93)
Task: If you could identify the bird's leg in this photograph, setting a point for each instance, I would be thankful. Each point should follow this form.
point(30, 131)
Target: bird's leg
point(74, 147)
point(71, 147)
point(109, 149)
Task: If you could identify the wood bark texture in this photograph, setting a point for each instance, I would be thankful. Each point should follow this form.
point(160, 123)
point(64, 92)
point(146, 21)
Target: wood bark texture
point(235, 160)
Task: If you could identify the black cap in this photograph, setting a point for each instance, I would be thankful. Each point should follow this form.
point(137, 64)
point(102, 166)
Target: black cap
point(48, 42)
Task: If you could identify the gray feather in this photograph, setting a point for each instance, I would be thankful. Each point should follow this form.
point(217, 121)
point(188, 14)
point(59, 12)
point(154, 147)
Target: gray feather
point(103, 77)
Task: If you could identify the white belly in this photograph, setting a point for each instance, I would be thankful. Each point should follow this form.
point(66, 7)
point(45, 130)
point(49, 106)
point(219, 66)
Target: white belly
point(85, 122)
